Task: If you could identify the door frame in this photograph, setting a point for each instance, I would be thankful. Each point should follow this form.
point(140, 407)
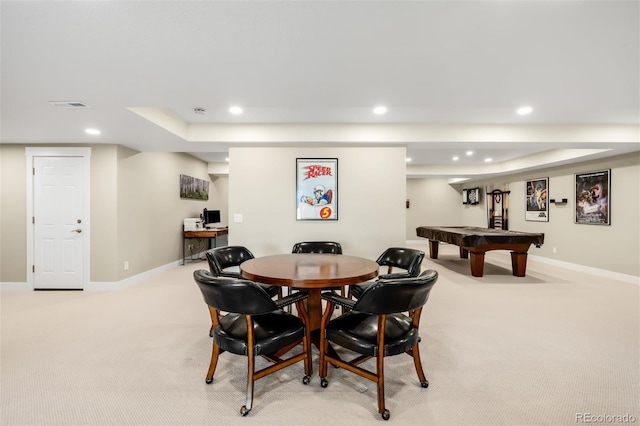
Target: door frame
point(85, 153)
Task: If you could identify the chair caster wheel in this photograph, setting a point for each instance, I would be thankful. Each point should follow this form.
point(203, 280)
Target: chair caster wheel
point(209, 381)
point(306, 380)
point(324, 382)
point(424, 384)
point(386, 414)
point(244, 411)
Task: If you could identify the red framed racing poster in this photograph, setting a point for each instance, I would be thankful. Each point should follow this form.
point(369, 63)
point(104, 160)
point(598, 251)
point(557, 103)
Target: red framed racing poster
point(316, 188)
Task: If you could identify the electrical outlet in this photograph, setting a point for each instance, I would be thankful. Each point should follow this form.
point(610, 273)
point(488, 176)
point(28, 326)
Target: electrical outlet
point(126, 265)
point(555, 250)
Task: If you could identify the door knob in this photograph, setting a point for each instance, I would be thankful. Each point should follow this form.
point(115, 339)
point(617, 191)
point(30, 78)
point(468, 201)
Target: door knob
point(77, 230)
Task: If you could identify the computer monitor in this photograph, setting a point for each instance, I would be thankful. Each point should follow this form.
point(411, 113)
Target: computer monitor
point(210, 216)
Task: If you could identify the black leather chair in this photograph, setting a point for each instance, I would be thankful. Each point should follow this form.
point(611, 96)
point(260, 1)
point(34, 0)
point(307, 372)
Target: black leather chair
point(255, 325)
point(377, 325)
point(222, 258)
point(329, 247)
point(409, 260)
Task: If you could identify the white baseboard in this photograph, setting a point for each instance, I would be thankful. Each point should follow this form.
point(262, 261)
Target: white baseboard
point(632, 279)
point(571, 266)
point(113, 285)
point(102, 286)
point(110, 286)
point(15, 287)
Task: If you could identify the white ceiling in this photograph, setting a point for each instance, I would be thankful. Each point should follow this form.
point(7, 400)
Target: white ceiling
point(451, 73)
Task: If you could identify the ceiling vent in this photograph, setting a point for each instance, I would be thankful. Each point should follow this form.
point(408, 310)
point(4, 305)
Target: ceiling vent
point(69, 104)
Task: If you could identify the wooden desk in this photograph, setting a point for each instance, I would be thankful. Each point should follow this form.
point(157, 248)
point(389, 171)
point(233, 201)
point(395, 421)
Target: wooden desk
point(310, 272)
point(210, 234)
point(478, 241)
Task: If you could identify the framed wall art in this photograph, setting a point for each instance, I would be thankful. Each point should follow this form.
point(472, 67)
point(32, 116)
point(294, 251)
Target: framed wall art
point(317, 189)
point(537, 208)
point(593, 202)
point(191, 187)
point(473, 196)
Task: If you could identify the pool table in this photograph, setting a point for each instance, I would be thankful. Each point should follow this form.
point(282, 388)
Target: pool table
point(478, 241)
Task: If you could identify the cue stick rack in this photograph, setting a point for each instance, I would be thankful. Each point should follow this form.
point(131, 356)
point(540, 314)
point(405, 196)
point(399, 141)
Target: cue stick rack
point(499, 209)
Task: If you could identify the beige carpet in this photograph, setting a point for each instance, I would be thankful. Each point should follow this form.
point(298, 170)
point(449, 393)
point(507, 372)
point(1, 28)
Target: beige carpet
point(552, 348)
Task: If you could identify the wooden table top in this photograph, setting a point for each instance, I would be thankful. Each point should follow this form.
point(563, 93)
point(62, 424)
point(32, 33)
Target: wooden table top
point(309, 270)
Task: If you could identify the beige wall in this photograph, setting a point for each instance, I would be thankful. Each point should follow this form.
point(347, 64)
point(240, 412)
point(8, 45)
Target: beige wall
point(136, 210)
point(13, 213)
point(614, 248)
point(104, 204)
point(432, 202)
point(371, 196)
point(150, 211)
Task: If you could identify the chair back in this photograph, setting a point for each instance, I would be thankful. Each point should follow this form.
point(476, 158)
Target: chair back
point(330, 247)
point(226, 257)
point(397, 295)
point(233, 295)
point(403, 258)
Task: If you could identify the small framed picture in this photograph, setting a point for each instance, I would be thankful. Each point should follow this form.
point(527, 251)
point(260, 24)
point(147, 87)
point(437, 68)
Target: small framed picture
point(593, 198)
point(192, 187)
point(465, 196)
point(473, 196)
point(317, 189)
point(537, 208)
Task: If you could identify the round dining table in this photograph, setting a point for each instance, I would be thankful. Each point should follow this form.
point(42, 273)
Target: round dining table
point(310, 272)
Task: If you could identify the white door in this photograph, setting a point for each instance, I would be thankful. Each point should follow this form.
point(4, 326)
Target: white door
point(58, 222)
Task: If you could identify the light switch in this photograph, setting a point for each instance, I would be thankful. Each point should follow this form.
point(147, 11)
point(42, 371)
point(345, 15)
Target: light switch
point(237, 217)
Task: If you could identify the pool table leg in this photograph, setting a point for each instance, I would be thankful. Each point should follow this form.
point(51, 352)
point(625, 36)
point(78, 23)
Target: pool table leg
point(477, 264)
point(433, 248)
point(518, 263)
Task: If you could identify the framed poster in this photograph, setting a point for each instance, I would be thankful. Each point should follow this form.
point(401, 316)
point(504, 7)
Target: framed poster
point(537, 203)
point(316, 188)
point(592, 202)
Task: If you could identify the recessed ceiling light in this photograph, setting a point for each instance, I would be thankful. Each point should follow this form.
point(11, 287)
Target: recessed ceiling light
point(469, 153)
point(236, 110)
point(379, 110)
point(524, 110)
point(456, 158)
point(408, 159)
point(92, 131)
point(226, 159)
point(488, 160)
